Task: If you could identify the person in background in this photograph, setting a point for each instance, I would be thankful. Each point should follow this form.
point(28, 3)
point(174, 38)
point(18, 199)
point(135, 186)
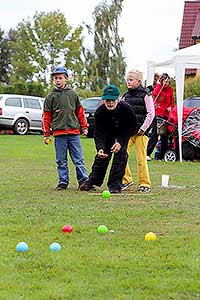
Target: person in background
point(115, 122)
point(163, 102)
point(150, 88)
point(153, 129)
point(142, 104)
point(156, 79)
point(64, 114)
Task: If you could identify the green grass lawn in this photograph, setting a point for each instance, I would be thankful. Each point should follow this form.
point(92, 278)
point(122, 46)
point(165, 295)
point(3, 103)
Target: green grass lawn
point(119, 266)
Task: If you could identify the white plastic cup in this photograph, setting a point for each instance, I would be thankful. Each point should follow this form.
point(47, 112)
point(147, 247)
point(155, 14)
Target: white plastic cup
point(165, 181)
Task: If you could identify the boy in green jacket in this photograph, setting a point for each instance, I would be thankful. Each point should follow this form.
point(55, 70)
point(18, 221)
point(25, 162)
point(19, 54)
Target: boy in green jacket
point(64, 114)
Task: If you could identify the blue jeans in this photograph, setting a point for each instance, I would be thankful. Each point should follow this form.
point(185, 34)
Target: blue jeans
point(63, 143)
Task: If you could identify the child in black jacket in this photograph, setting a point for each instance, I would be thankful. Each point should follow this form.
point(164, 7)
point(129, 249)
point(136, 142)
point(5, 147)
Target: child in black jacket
point(115, 123)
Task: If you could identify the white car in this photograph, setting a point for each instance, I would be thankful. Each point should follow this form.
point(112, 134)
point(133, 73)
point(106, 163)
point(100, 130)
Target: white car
point(21, 113)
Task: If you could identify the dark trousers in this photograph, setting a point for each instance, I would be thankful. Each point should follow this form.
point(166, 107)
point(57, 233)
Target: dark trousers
point(154, 138)
point(117, 169)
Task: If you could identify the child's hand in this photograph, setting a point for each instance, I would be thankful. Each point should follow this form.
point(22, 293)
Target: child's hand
point(140, 132)
point(101, 154)
point(47, 140)
point(116, 147)
point(85, 131)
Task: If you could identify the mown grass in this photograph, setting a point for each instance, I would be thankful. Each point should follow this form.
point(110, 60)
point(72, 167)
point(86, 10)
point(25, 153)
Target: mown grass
point(119, 266)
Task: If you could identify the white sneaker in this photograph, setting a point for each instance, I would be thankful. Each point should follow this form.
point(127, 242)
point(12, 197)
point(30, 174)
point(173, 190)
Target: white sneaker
point(148, 158)
point(144, 189)
point(126, 186)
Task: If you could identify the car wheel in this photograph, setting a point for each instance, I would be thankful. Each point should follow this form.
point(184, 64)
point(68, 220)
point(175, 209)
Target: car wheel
point(170, 155)
point(21, 126)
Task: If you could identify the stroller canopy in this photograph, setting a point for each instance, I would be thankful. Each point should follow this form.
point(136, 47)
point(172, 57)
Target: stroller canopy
point(190, 124)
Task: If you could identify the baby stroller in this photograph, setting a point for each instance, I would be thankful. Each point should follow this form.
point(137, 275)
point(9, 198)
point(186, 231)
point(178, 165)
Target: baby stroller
point(190, 134)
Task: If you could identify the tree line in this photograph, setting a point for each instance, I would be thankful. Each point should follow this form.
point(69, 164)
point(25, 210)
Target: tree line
point(30, 52)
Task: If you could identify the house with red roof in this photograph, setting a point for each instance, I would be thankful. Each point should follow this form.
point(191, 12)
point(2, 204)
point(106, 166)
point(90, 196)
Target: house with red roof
point(190, 30)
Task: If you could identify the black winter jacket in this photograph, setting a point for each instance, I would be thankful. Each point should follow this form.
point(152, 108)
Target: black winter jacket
point(114, 125)
point(135, 98)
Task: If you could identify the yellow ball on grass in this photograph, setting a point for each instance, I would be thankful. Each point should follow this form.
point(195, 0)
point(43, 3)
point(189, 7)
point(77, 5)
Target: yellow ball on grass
point(150, 236)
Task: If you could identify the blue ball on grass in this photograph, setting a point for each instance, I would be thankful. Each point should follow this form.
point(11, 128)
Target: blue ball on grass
point(22, 247)
point(55, 247)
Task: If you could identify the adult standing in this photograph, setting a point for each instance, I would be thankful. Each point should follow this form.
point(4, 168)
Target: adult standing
point(153, 130)
point(163, 102)
point(142, 104)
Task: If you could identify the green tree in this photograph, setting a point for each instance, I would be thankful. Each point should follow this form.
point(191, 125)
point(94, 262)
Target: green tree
point(107, 43)
point(86, 74)
point(4, 58)
point(42, 44)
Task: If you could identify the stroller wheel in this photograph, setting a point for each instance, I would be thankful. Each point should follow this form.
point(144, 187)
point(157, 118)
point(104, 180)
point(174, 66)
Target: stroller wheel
point(170, 155)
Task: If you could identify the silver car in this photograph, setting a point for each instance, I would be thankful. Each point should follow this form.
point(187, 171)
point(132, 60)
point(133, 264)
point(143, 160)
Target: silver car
point(21, 113)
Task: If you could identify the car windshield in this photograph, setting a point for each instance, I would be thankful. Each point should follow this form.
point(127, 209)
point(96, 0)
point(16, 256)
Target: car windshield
point(90, 103)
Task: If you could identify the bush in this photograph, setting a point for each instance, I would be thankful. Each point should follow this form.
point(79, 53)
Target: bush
point(24, 88)
point(88, 93)
point(192, 87)
point(36, 89)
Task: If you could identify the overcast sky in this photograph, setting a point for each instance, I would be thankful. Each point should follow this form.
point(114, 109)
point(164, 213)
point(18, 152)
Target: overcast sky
point(150, 27)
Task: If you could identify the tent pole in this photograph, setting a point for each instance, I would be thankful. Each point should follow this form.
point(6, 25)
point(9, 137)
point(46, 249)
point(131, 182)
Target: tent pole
point(180, 76)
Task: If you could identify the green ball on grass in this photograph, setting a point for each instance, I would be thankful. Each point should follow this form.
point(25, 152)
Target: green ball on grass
point(105, 194)
point(102, 229)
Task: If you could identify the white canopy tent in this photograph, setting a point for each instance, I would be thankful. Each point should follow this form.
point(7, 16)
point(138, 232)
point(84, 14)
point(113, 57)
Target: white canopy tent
point(184, 58)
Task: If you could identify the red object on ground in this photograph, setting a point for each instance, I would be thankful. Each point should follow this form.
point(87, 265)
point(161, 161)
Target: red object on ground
point(67, 229)
point(6, 131)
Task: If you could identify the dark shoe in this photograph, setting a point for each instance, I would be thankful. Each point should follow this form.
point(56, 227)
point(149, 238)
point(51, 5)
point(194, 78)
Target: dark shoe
point(61, 187)
point(144, 189)
point(127, 185)
point(86, 186)
point(114, 191)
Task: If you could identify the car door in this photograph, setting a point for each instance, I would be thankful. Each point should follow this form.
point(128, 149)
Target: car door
point(33, 110)
point(12, 107)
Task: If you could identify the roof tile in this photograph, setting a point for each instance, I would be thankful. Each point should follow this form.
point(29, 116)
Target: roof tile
point(191, 9)
point(190, 27)
point(196, 29)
